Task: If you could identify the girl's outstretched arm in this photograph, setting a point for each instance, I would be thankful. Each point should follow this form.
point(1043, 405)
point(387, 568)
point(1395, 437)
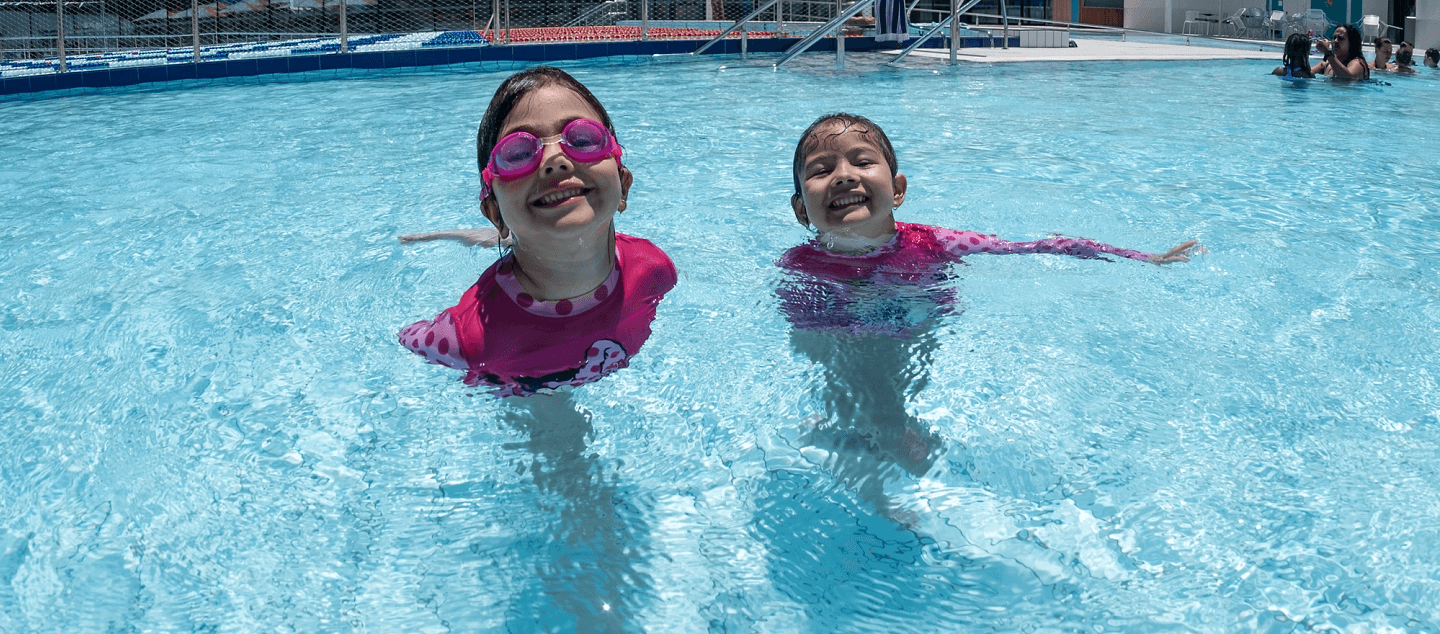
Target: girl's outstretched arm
point(469, 237)
point(1178, 254)
point(436, 340)
point(963, 243)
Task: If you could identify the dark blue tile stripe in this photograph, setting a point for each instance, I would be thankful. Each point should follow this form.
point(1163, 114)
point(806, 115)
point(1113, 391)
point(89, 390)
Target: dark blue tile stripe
point(222, 68)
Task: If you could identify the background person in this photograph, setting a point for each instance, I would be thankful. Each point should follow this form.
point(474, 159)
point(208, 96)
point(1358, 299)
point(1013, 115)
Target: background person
point(1383, 48)
point(1405, 58)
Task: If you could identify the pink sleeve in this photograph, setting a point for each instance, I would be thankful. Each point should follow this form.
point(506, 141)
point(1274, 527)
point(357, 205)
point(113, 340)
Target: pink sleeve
point(435, 340)
point(964, 243)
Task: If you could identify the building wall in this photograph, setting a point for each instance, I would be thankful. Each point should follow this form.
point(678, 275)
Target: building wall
point(1427, 26)
point(1149, 15)
point(1062, 9)
point(1380, 8)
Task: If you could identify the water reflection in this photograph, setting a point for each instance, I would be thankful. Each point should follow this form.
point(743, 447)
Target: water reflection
point(867, 433)
point(587, 561)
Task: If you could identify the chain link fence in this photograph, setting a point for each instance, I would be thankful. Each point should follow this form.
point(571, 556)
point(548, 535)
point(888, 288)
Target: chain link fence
point(117, 32)
point(43, 36)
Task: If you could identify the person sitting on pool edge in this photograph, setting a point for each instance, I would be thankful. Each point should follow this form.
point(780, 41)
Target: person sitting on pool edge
point(1295, 62)
point(1346, 60)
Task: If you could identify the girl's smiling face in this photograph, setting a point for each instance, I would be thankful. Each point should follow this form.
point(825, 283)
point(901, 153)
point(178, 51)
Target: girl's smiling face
point(846, 188)
point(564, 199)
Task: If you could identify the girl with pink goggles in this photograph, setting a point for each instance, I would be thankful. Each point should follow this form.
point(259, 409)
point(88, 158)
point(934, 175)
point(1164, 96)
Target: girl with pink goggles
point(519, 154)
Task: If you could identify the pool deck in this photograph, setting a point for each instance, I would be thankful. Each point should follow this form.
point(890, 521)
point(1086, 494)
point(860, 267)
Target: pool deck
point(1087, 50)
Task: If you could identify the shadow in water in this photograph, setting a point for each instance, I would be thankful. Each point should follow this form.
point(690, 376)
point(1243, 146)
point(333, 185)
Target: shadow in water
point(869, 436)
point(587, 560)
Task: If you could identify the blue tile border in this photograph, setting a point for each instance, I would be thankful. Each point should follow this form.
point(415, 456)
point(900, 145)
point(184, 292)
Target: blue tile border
point(149, 74)
point(345, 63)
point(210, 70)
point(271, 65)
point(303, 63)
point(66, 81)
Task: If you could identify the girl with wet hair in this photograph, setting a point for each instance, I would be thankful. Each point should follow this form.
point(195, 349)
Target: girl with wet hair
point(1345, 61)
point(866, 299)
point(1295, 63)
point(572, 300)
point(1432, 57)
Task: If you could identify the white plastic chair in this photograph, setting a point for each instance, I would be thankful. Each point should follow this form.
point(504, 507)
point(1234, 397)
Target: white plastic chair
point(1276, 24)
point(1256, 23)
point(1193, 21)
point(1315, 22)
point(1236, 22)
point(1370, 28)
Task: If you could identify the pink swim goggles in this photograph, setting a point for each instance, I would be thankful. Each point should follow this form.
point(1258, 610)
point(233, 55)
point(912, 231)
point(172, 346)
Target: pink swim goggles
point(519, 154)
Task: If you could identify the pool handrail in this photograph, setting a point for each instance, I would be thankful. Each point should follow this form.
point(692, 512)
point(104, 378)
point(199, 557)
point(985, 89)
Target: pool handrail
point(738, 23)
point(592, 12)
point(810, 40)
point(1125, 31)
point(925, 37)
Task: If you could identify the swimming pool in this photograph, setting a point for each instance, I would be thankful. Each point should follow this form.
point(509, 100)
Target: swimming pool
point(210, 427)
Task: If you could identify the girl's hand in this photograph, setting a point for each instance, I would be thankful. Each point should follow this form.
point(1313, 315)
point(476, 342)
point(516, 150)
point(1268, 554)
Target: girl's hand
point(1178, 254)
point(467, 237)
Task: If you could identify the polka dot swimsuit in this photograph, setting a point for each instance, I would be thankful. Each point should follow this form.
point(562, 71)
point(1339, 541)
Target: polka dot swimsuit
point(505, 339)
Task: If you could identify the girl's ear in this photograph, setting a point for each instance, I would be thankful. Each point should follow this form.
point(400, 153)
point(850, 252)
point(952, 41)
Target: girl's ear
point(899, 185)
point(798, 204)
point(492, 213)
point(626, 179)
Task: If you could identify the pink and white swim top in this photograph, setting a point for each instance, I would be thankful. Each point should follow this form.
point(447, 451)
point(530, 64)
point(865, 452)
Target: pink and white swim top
point(901, 284)
point(506, 339)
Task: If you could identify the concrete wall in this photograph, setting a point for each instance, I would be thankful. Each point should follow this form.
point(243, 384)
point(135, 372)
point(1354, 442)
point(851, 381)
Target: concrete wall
point(1427, 26)
point(1382, 9)
point(1149, 15)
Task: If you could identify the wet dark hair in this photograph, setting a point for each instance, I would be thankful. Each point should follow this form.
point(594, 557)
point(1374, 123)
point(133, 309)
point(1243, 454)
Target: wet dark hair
point(1405, 56)
point(811, 138)
point(1433, 54)
point(512, 90)
point(1297, 55)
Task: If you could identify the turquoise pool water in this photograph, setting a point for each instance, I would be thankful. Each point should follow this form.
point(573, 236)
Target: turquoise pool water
point(208, 424)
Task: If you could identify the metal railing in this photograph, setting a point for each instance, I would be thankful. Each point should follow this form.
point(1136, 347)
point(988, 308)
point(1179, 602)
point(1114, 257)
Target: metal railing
point(67, 35)
point(603, 11)
point(741, 25)
point(954, 25)
point(41, 29)
point(1126, 32)
point(835, 25)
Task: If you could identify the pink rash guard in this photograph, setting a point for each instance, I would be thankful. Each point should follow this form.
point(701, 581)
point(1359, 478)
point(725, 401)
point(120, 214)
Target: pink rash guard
point(504, 338)
point(898, 286)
